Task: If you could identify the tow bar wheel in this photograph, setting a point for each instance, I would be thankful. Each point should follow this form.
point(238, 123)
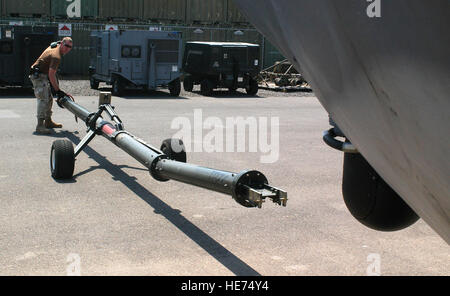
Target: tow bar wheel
point(174, 149)
point(62, 159)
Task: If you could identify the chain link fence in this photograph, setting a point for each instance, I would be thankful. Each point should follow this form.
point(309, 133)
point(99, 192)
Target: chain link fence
point(77, 61)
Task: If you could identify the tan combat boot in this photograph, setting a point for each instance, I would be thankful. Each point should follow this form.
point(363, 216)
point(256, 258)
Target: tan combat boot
point(41, 129)
point(50, 124)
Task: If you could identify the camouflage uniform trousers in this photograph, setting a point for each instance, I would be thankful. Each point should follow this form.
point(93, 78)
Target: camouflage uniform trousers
point(43, 93)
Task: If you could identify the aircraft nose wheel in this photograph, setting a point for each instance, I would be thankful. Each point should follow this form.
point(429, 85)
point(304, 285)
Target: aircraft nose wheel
point(62, 159)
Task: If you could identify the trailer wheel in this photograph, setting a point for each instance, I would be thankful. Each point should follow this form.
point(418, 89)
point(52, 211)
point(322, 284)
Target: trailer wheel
point(188, 83)
point(94, 83)
point(174, 149)
point(175, 87)
point(62, 159)
point(206, 87)
point(252, 88)
point(117, 87)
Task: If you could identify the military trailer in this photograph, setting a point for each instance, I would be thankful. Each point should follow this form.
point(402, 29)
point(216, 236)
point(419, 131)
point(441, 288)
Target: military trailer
point(213, 65)
point(138, 59)
point(20, 46)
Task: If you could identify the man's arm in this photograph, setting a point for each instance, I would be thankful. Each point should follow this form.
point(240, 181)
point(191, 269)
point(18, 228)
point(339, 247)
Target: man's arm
point(52, 78)
point(54, 82)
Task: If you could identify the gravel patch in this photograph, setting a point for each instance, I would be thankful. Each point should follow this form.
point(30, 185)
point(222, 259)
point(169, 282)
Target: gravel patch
point(82, 88)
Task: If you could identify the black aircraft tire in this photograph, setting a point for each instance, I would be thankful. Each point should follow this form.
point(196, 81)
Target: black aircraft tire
point(174, 149)
point(62, 159)
point(370, 199)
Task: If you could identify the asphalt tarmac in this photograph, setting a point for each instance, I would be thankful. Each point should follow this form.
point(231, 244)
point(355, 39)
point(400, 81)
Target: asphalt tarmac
point(113, 218)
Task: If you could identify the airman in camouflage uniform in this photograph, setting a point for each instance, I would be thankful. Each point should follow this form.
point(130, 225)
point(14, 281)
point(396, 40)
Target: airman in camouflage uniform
point(43, 76)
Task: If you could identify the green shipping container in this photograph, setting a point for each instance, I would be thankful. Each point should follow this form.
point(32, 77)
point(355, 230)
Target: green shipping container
point(216, 35)
point(26, 7)
point(75, 8)
point(208, 12)
point(249, 36)
point(234, 15)
point(76, 62)
point(120, 9)
point(165, 10)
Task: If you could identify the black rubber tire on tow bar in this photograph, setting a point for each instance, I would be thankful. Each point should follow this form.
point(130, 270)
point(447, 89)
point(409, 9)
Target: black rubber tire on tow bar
point(62, 159)
point(188, 83)
point(94, 83)
point(175, 87)
point(174, 149)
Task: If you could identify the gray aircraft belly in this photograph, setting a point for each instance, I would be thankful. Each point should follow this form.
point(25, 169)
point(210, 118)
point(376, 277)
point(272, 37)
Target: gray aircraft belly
point(384, 80)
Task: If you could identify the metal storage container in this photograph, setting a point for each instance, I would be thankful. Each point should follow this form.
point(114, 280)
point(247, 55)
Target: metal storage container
point(136, 58)
point(120, 9)
point(26, 7)
point(77, 60)
point(165, 10)
point(74, 8)
point(210, 12)
point(20, 46)
point(221, 64)
point(234, 15)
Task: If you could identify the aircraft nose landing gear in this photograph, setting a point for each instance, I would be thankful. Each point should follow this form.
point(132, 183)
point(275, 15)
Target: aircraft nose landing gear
point(367, 196)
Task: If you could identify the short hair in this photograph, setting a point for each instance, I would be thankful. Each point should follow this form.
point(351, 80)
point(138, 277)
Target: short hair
point(67, 39)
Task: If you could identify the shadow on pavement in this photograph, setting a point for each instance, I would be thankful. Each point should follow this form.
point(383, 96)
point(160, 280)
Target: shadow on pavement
point(145, 94)
point(225, 94)
point(215, 249)
point(16, 92)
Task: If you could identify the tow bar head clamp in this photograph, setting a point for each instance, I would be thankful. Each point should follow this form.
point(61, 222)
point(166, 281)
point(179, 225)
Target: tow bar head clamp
point(250, 189)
